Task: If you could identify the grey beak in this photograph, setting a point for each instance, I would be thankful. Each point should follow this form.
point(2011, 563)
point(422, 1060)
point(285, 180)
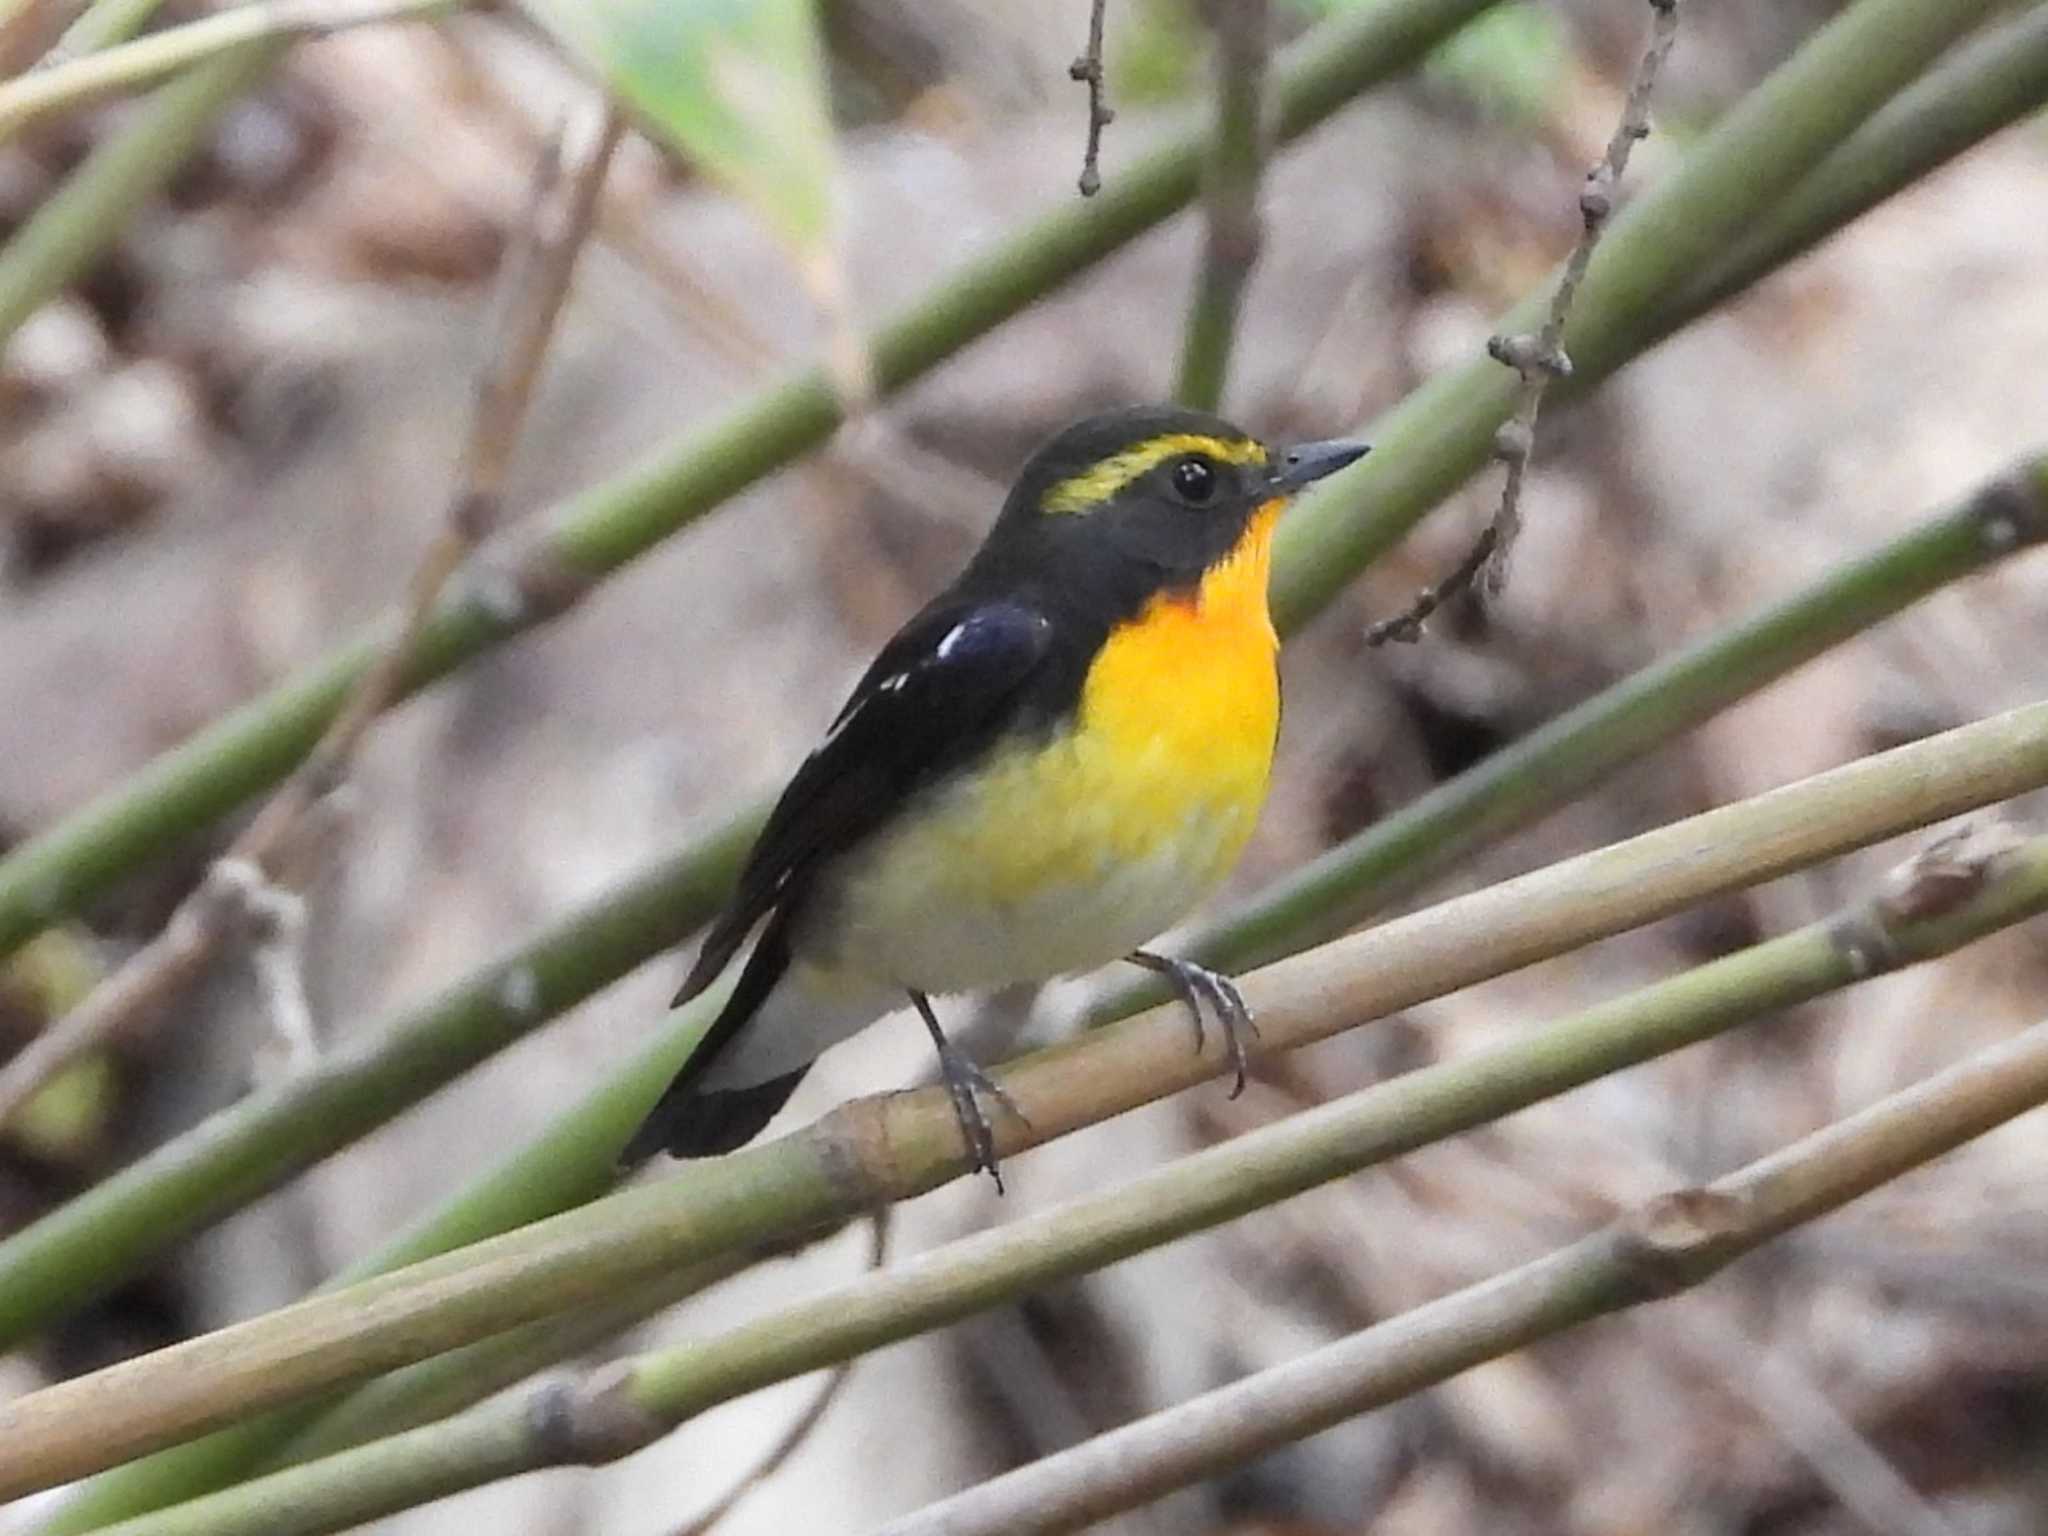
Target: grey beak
point(1309, 462)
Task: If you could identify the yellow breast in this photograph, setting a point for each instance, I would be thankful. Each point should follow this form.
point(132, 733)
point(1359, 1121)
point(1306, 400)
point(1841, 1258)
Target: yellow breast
point(1057, 856)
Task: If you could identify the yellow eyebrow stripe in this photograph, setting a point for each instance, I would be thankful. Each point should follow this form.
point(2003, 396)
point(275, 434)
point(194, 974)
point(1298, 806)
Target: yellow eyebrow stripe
point(1094, 486)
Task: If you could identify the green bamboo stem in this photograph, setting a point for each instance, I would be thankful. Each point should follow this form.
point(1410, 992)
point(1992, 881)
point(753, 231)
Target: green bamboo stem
point(1963, 889)
point(876, 1151)
point(1230, 201)
point(1987, 82)
point(1670, 1244)
point(1429, 443)
point(435, 1388)
point(64, 85)
point(54, 873)
point(69, 231)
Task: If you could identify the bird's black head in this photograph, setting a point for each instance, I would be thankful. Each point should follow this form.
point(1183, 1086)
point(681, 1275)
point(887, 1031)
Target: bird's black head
point(1123, 505)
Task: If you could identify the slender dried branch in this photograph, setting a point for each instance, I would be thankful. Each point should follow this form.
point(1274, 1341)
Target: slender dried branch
point(72, 228)
point(241, 898)
point(65, 80)
point(1670, 1244)
point(1088, 67)
point(1961, 887)
point(159, 971)
point(1539, 357)
point(1756, 153)
point(876, 1151)
point(1231, 233)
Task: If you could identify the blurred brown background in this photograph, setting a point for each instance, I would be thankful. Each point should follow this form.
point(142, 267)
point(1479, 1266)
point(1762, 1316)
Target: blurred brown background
point(226, 446)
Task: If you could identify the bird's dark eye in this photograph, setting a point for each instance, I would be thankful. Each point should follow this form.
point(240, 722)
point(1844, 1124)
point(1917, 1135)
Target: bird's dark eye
point(1194, 480)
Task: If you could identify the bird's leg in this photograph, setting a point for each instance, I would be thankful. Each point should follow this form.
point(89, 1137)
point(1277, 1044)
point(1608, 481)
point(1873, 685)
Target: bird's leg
point(967, 1085)
point(1193, 983)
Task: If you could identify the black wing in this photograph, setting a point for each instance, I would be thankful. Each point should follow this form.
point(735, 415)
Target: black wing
point(935, 696)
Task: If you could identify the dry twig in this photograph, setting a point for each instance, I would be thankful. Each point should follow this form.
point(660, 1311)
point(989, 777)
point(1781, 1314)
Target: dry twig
point(249, 894)
point(1088, 67)
point(1787, 1398)
point(81, 68)
point(1538, 357)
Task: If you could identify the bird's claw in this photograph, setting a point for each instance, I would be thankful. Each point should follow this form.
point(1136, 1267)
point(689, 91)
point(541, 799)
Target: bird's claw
point(1193, 983)
point(967, 1085)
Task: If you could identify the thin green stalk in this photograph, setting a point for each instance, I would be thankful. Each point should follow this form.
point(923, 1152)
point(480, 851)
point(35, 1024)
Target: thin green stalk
point(1441, 433)
point(1989, 81)
point(54, 873)
point(880, 1150)
point(1230, 201)
point(105, 23)
point(65, 85)
point(1671, 1243)
point(446, 1384)
point(628, 1406)
point(71, 229)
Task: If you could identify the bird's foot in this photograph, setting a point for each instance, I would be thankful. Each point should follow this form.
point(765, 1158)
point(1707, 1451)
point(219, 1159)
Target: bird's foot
point(1194, 983)
point(969, 1088)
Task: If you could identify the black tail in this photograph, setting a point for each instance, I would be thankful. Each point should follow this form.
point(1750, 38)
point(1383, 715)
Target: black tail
point(689, 1121)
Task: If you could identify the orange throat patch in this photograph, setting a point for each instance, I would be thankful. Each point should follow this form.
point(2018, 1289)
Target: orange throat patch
point(1186, 697)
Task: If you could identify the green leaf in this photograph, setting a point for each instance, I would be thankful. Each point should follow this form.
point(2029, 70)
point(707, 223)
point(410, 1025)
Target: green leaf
point(736, 86)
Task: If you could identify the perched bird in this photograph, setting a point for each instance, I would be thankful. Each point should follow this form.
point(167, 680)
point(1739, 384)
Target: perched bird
point(1049, 765)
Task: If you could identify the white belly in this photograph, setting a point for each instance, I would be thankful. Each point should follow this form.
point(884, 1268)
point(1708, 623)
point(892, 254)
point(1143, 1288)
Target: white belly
point(1055, 861)
point(918, 910)
point(955, 939)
